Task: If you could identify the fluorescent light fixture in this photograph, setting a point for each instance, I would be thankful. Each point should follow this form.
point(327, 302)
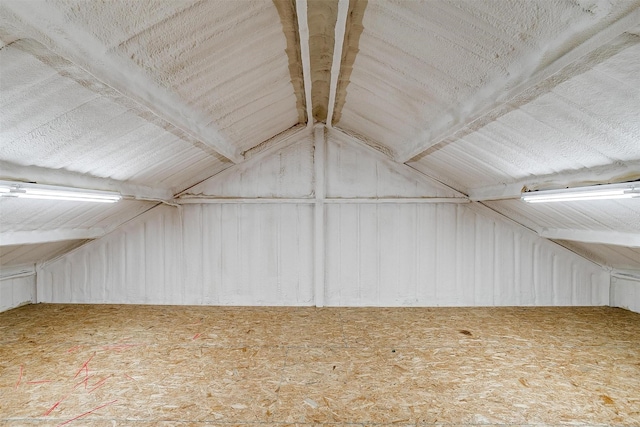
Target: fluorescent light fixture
point(627, 190)
point(23, 190)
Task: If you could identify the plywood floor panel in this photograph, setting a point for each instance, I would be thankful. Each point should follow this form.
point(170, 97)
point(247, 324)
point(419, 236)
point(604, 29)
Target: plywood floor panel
point(274, 366)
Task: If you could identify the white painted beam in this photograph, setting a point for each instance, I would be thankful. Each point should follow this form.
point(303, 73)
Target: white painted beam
point(501, 94)
point(16, 271)
point(396, 200)
point(303, 30)
point(47, 24)
point(13, 172)
point(617, 238)
point(319, 228)
point(629, 171)
point(340, 30)
point(48, 236)
point(191, 200)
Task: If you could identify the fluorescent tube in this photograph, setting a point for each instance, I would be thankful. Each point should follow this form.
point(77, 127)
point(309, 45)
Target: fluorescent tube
point(50, 192)
point(627, 190)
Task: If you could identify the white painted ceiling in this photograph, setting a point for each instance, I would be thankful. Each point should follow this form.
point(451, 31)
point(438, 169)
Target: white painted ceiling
point(150, 98)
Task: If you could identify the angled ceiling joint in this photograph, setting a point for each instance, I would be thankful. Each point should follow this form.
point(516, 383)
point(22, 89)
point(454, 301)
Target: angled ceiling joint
point(303, 29)
point(340, 30)
point(49, 26)
point(617, 238)
point(495, 103)
point(606, 174)
point(39, 175)
point(404, 170)
point(33, 237)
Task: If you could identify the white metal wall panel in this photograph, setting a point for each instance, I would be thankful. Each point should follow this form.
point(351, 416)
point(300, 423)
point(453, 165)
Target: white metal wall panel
point(213, 254)
point(262, 254)
point(17, 291)
point(286, 173)
point(448, 255)
point(354, 170)
point(135, 264)
point(625, 293)
point(249, 254)
point(377, 254)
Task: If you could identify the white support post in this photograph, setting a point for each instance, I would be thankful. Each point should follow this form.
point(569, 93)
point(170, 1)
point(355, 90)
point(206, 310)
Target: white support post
point(319, 234)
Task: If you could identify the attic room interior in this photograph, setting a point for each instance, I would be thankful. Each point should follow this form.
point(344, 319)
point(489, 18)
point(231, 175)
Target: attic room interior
point(303, 212)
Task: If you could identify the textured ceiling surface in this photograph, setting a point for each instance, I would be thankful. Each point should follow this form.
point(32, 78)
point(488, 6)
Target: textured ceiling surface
point(600, 215)
point(424, 67)
point(586, 121)
point(154, 96)
point(44, 215)
point(55, 115)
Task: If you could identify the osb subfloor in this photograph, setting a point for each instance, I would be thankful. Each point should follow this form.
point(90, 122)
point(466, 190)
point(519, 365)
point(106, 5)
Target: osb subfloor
point(192, 366)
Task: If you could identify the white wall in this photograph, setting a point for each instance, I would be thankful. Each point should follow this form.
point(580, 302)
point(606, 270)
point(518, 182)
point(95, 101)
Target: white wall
point(625, 293)
point(445, 254)
point(406, 252)
point(16, 291)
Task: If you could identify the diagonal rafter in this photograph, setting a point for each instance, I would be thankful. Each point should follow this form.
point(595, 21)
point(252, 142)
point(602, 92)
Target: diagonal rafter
point(33, 237)
point(608, 237)
point(499, 101)
point(14, 172)
point(47, 25)
point(629, 171)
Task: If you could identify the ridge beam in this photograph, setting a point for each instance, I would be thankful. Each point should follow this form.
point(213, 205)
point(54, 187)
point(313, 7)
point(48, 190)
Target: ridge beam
point(340, 31)
point(303, 30)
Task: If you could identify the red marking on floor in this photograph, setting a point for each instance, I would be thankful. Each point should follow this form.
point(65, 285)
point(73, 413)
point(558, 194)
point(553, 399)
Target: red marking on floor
point(55, 405)
point(85, 366)
point(87, 413)
point(99, 384)
point(83, 381)
point(20, 377)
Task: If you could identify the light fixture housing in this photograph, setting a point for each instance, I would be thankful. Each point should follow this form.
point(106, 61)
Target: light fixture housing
point(23, 190)
point(626, 190)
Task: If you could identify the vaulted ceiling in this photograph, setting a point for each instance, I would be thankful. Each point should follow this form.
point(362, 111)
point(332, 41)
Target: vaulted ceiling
point(149, 98)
